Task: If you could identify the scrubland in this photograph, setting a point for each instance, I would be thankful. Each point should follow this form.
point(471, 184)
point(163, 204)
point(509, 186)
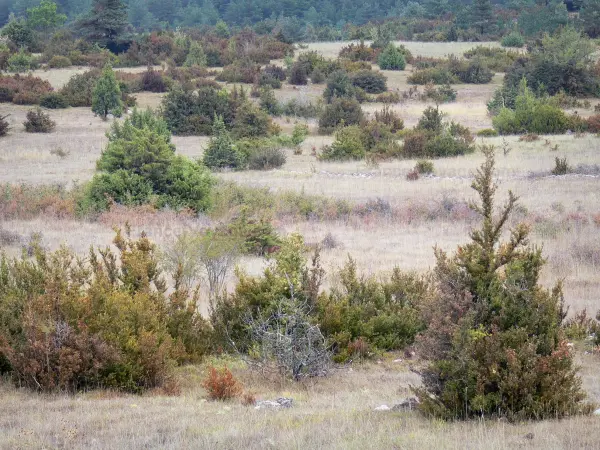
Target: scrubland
point(336, 412)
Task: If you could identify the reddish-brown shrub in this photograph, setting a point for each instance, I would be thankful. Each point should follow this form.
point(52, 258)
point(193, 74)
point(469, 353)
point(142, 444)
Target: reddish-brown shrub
point(221, 385)
point(593, 123)
point(153, 81)
point(413, 175)
point(248, 399)
point(23, 90)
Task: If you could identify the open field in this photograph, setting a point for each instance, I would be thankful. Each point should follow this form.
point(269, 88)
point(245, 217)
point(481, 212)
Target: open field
point(335, 412)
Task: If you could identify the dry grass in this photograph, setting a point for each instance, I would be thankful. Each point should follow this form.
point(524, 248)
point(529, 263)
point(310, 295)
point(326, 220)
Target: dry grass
point(336, 413)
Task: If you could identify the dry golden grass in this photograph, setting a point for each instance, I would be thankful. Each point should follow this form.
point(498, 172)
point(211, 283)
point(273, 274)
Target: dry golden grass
point(336, 412)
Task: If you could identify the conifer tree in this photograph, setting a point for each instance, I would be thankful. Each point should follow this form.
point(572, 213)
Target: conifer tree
point(494, 340)
point(483, 16)
point(106, 24)
point(106, 97)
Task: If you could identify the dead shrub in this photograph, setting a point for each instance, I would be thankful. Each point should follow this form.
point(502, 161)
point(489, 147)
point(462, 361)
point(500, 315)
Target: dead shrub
point(248, 399)
point(221, 385)
point(413, 175)
point(531, 137)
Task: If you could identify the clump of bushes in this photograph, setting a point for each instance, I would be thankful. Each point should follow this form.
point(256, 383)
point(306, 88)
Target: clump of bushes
point(21, 62)
point(23, 90)
point(129, 335)
point(433, 137)
point(471, 71)
point(221, 152)
point(339, 85)
point(79, 88)
point(349, 144)
point(561, 166)
point(534, 115)
point(4, 125)
point(221, 385)
point(424, 167)
point(496, 59)
point(486, 341)
point(39, 122)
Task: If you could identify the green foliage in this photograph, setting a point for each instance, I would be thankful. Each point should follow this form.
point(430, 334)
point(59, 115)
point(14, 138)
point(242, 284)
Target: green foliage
point(299, 74)
point(492, 331)
point(531, 115)
point(348, 144)
point(39, 122)
point(221, 151)
point(195, 56)
point(106, 23)
point(67, 325)
point(19, 33)
point(514, 39)
point(106, 96)
point(340, 111)
point(139, 166)
point(53, 100)
point(391, 58)
point(266, 158)
point(79, 89)
point(21, 62)
point(435, 138)
point(590, 17)
point(435, 75)
point(487, 132)
point(385, 315)
point(250, 122)
point(268, 102)
point(45, 17)
point(339, 85)
point(370, 81)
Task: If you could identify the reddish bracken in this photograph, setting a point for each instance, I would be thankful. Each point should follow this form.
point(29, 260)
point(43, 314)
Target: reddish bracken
point(221, 385)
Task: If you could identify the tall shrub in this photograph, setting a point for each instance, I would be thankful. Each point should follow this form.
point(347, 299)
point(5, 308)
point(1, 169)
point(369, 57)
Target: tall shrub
point(106, 96)
point(494, 341)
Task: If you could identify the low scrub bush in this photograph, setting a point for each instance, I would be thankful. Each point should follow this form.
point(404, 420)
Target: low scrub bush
point(369, 81)
point(435, 75)
point(23, 89)
point(221, 385)
point(301, 108)
point(424, 167)
point(266, 158)
point(349, 144)
point(153, 81)
point(21, 62)
point(472, 71)
point(388, 97)
point(299, 74)
point(79, 88)
point(441, 94)
point(561, 166)
point(340, 111)
point(222, 152)
point(71, 326)
point(496, 59)
point(59, 62)
point(390, 118)
point(339, 85)
point(39, 122)
point(358, 52)
point(487, 132)
point(239, 73)
point(53, 100)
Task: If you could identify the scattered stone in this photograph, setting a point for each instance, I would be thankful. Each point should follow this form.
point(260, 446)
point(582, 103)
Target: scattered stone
point(597, 412)
point(399, 360)
point(280, 403)
point(382, 408)
point(409, 404)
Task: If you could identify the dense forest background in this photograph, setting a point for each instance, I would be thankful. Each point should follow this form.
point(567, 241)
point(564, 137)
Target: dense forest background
point(330, 19)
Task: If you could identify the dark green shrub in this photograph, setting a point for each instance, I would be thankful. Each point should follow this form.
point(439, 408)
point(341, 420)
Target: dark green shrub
point(340, 111)
point(221, 151)
point(39, 122)
point(54, 100)
point(487, 342)
point(435, 75)
point(339, 85)
point(441, 94)
point(391, 58)
point(242, 72)
point(475, 71)
point(317, 77)
point(299, 73)
point(496, 59)
point(106, 95)
point(431, 120)
point(79, 88)
point(369, 81)
point(250, 122)
point(21, 62)
point(268, 102)
point(122, 187)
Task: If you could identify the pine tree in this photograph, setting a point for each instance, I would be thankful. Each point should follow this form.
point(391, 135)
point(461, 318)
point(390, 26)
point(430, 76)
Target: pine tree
point(196, 55)
point(106, 97)
point(106, 24)
point(483, 16)
point(221, 152)
point(493, 332)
